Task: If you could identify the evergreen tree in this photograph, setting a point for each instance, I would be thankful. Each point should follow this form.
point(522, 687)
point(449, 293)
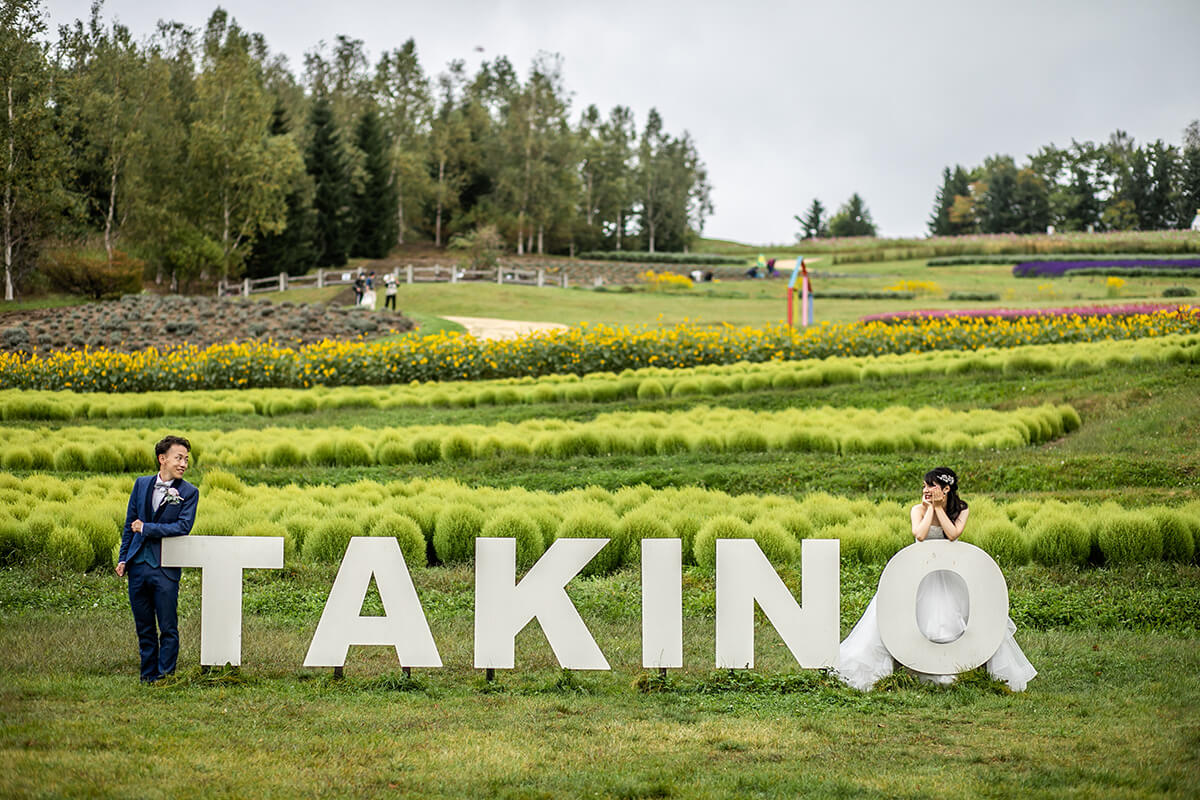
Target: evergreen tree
point(943, 201)
point(289, 250)
point(375, 202)
point(331, 200)
point(1081, 211)
point(997, 206)
point(852, 219)
point(960, 195)
point(1161, 203)
point(814, 224)
point(1031, 203)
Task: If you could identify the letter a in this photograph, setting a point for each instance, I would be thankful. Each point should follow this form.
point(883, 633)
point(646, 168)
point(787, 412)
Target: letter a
point(502, 609)
point(403, 624)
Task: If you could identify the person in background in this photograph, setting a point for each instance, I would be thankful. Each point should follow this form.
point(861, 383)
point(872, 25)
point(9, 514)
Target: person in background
point(389, 291)
point(360, 285)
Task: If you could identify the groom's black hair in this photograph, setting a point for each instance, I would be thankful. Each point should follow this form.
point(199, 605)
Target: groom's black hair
point(945, 477)
point(170, 441)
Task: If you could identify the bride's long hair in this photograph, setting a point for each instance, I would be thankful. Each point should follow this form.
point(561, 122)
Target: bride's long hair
point(945, 478)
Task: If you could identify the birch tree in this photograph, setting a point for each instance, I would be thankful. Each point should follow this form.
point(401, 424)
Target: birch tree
point(109, 87)
point(403, 92)
point(34, 163)
point(242, 172)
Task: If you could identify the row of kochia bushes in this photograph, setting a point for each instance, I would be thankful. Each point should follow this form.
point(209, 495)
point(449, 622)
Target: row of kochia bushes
point(646, 384)
point(76, 523)
point(954, 261)
point(701, 430)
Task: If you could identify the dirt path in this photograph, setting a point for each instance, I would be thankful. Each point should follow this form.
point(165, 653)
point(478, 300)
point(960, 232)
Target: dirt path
point(488, 328)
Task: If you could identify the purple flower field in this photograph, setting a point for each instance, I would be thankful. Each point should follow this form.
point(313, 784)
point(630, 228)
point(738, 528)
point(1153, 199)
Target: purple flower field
point(1123, 309)
point(1029, 269)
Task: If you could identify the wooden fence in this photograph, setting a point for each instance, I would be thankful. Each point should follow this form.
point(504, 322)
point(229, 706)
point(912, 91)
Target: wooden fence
point(523, 275)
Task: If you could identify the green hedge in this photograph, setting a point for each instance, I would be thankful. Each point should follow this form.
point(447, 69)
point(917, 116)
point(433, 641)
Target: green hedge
point(701, 429)
point(975, 297)
point(649, 383)
point(643, 257)
point(75, 524)
point(955, 261)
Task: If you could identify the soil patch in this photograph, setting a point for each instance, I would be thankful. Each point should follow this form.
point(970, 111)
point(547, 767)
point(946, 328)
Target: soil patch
point(137, 322)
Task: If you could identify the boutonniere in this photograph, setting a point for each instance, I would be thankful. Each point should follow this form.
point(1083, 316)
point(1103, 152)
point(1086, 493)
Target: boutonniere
point(173, 497)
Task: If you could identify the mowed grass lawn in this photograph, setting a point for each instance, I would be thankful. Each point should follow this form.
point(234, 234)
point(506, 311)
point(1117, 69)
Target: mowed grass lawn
point(1113, 713)
point(761, 302)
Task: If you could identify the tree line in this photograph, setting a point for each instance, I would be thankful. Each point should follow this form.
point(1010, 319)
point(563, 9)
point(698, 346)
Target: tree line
point(1112, 186)
point(851, 219)
point(201, 152)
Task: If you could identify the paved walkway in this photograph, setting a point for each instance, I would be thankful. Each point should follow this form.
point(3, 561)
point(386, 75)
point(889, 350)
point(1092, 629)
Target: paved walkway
point(488, 328)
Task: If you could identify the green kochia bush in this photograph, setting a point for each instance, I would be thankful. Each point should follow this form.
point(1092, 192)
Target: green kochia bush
point(284, 454)
point(16, 545)
point(721, 527)
point(328, 541)
point(1178, 535)
point(1001, 539)
point(638, 525)
point(515, 524)
point(17, 459)
point(437, 520)
point(454, 533)
point(100, 531)
point(405, 531)
point(1058, 538)
point(70, 549)
point(592, 522)
point(1130, 537)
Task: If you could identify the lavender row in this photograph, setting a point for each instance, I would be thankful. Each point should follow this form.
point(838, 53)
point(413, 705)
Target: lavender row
point(1029, 269)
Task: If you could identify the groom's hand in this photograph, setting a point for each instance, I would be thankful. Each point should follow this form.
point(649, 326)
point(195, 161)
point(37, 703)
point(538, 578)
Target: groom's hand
point(136, 526)
point(121, 570)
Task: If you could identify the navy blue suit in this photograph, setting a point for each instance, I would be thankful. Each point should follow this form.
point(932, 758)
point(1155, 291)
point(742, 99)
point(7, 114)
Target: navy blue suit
point(153, 588)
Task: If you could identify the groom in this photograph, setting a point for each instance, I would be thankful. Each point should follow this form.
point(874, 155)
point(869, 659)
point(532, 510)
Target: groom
point(160, 505)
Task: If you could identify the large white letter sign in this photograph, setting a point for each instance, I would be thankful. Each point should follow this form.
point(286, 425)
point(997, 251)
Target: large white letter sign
point(502, 609)
point(896, 606)
point(744, 575)
point(221, 560)
point(403, 624)
point(662, 603)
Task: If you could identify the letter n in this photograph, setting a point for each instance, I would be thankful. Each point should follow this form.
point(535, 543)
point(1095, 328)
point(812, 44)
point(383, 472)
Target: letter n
point(744, 576)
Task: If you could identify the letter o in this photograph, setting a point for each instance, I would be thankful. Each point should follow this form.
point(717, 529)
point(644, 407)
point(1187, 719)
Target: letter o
point(897, 602)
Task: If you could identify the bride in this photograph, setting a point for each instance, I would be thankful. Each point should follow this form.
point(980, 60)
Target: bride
point(942, 603)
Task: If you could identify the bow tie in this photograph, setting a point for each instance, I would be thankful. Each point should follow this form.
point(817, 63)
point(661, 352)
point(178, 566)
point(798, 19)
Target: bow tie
point(161, 485)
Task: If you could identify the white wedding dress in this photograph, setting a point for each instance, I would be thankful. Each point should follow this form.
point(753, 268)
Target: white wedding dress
point(942, 611)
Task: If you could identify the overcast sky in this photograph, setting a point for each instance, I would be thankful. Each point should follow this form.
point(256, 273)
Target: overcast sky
point(788, 101)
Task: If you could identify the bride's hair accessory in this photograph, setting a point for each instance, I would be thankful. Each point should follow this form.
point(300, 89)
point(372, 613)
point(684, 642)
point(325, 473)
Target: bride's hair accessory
point(946, 479)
